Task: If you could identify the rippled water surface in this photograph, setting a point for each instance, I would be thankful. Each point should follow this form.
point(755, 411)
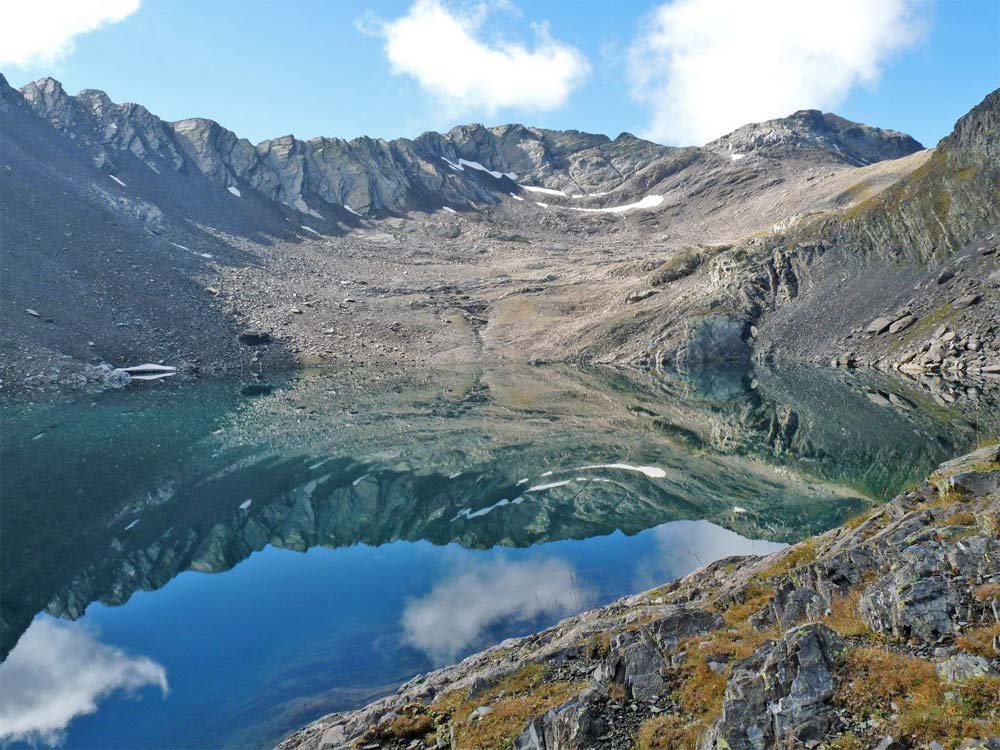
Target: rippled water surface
point(216, 564)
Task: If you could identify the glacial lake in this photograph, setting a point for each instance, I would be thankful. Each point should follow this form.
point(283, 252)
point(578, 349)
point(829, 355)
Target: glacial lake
point(207, 565)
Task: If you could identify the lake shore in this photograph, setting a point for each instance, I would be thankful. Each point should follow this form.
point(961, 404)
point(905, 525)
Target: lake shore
point(885, 627)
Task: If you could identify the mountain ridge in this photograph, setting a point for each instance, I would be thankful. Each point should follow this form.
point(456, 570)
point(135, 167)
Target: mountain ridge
point(287, 168)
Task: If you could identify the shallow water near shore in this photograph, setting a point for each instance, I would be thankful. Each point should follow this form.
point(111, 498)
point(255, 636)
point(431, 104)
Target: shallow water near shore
point(216, 564)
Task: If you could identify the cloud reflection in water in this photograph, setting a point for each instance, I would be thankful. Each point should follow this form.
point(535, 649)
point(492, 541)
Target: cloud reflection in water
point(684, 546)
point(59, 671)
point(458, 611)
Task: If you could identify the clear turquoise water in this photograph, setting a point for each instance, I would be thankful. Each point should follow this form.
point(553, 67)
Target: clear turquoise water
point(147, 604)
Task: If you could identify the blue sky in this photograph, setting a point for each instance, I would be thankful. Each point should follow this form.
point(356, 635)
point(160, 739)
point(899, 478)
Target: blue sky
point(679, 72)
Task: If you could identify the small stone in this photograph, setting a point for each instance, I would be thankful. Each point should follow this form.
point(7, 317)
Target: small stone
point(945, 276)
point(479, 713)
point(641, 295)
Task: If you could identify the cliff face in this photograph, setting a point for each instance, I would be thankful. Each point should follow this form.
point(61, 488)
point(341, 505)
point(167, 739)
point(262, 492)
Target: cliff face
point(879, 633)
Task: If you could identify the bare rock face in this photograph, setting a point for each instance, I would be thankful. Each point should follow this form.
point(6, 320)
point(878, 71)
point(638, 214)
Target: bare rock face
point(780, 694)
point(809, 129)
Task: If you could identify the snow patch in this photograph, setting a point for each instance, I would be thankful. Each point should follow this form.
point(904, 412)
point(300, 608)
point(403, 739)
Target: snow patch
point(650, 201)
point(516, 197)
point(449, 209)
point(736, 157)
point(469, 514)
point(456, 475)
point(235, 191)
point(549, 486)
point(193, 252)
point(351, 210)
point(547, 191)
point(739, 509)
point(462, 163)
point(132, 525)
point(245, 504)
point(310, 229)
point(481, 168)
point(359, 480)
point(653, 472)
point(116, 180)
point(543, 205)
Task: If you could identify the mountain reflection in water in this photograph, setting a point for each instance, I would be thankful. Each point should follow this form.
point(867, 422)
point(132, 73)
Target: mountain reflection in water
point(437, 519)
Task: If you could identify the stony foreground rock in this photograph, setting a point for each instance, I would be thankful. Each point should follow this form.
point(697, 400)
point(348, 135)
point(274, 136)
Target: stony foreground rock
point(884, 633)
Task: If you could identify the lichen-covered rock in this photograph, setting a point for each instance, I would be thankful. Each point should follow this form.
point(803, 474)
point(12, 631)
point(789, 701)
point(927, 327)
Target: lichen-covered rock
point(780, 693)
point(962, 667)
point(574, 725)
point(927, 592)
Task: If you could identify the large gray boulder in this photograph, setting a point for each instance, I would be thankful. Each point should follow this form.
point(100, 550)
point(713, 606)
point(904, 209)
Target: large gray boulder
point(926, 594)
point(574, 725)
point(780, 694)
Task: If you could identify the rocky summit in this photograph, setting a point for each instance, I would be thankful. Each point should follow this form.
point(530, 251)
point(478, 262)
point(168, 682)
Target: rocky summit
point(882, 633)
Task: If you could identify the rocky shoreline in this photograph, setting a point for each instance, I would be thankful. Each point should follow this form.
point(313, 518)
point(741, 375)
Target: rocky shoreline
point(883, 633)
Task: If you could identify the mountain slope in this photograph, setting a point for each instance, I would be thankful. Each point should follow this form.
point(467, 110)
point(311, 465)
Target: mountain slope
point(501, 241)
point(920, 250)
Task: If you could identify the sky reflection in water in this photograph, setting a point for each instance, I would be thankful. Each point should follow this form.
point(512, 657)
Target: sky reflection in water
point(252, 564)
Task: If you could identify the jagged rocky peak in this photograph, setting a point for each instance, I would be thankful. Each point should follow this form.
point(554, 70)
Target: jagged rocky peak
point(49, 99)
point(559, 159)
point(810, 129)
point(219, 153)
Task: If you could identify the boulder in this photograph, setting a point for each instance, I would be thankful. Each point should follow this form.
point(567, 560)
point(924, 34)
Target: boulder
point(680, 622)
point(902, 324)
point(643, 665)
point(255, 336)
point(962, 667)
point(879, 325)
point(926, 594)
point(574, 725)
point(967, 300)
point(780, 696)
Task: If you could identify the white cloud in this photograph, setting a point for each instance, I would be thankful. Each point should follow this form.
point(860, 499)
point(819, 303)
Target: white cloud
point(706, 67)
point(59, 671)
point(456, 612)
point(41, 32)
point(443, 50)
